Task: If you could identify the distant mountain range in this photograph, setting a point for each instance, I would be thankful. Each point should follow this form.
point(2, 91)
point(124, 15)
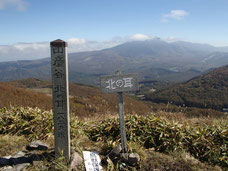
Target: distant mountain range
point(152, 59)
point(209, 90)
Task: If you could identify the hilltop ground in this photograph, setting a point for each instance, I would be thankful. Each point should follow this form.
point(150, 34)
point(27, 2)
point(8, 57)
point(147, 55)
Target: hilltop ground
point(166, 137)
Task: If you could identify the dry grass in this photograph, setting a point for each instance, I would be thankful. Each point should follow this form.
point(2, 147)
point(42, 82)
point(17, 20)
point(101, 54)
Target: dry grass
point(174, 162)
point(20, 97)
point(85, 101)
point(11, 144)
point(183, 118)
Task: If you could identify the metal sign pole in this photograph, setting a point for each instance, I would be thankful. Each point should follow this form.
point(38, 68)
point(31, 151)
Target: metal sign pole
point(122, 123)
point(119, 83)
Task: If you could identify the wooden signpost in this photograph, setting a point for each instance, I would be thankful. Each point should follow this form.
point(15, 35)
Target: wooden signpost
point(120, 83)
point(59, 63)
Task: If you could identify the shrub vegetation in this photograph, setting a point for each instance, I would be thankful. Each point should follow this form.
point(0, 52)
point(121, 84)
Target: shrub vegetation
point(208, 143)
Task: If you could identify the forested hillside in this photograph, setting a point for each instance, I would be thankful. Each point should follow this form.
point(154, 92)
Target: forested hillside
point(206, 91)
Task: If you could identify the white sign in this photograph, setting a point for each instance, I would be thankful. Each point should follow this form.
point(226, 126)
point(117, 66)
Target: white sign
point(92, 161)
point(119, 83)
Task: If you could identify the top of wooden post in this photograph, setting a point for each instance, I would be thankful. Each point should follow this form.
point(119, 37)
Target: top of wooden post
point(59, 43)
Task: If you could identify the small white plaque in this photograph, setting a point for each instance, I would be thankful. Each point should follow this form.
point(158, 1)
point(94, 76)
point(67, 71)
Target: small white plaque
point(119, 83)
point(92, 161)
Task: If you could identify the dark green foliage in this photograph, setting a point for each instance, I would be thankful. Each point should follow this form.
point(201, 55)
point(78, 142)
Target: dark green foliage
point(209, 144)
point(32, 123)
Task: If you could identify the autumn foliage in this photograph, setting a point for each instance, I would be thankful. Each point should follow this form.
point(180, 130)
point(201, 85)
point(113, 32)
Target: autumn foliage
point(84, 100)
point(207, 91)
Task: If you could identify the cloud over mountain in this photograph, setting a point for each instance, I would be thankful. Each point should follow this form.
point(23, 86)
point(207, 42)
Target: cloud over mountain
point(140, 37)
point(37, 50)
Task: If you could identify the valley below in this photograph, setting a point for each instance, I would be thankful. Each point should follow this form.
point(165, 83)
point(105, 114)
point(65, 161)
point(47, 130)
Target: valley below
point(176, 121)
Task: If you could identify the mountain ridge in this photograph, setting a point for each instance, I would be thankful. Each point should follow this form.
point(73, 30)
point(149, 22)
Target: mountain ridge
point(152, 59)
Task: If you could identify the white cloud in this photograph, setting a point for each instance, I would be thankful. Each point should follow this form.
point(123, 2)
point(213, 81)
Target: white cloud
point(31, 51)
point(80, 45)
point(140, 37)
point(76, 41)
point(38, 50)
point(175, 14)
point(30, 46)
point(20, 5)
point(24, 51)
point(172, 39)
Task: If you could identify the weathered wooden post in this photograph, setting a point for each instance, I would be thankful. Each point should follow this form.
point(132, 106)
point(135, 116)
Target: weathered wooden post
point(60, 89)
point(120, 83)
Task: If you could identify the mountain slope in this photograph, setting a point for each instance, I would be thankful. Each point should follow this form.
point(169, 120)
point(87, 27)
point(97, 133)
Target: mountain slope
point(152, 59)
point(206, 91)
point(84, 100)
point(10, 95)
point(25, 69)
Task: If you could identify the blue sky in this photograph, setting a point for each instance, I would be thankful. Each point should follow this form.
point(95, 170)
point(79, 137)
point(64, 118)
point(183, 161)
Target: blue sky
point(105, 21)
